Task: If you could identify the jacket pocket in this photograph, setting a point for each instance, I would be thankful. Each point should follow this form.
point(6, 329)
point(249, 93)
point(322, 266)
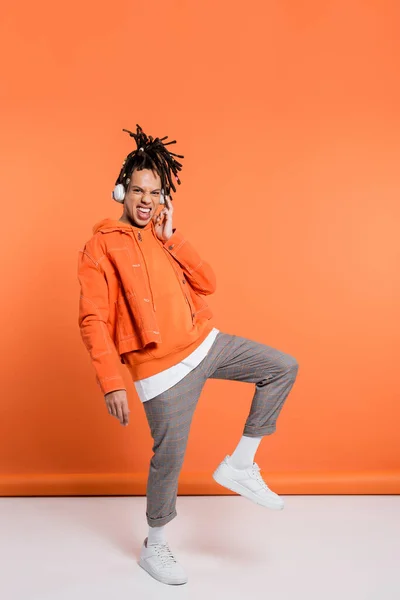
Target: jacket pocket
point(126, 328)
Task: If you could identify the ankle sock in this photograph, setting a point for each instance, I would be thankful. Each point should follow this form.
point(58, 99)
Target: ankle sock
point(244, 453)
point(156, 535)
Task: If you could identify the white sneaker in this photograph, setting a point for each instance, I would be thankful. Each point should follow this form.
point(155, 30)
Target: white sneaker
point(158, 560)
point(248, 483)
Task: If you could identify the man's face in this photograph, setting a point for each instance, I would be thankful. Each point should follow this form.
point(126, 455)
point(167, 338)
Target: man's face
point(144, 191)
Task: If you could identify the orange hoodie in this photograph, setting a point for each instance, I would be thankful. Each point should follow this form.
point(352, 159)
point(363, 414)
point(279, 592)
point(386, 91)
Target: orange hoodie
point(141, 300)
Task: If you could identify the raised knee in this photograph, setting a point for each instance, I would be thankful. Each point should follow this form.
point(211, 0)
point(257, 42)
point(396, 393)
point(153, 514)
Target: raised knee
point(293, 365)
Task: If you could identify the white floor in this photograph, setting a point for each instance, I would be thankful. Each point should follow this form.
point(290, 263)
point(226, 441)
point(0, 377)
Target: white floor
point(318, 547)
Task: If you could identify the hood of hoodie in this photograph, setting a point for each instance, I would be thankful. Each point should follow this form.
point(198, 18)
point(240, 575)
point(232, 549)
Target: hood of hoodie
point(107, 225)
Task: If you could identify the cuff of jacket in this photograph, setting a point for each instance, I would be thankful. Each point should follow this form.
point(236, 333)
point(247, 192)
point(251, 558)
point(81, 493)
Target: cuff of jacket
point(179, 247)
point(176, 238)
point(111, 384)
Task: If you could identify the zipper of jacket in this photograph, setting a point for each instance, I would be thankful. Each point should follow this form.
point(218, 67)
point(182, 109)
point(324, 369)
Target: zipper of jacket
point(147, 272)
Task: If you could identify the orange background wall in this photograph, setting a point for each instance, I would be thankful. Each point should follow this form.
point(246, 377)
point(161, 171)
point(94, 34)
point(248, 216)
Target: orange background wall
point(288, 115)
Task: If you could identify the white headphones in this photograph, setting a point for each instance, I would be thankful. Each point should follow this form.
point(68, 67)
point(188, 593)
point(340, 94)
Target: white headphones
point(118, 194)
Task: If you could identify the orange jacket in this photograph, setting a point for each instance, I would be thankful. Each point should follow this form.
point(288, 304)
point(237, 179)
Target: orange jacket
point(118, 315)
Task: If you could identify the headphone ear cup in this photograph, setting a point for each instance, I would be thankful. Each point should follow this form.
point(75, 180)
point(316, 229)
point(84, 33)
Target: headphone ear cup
point(118, 193)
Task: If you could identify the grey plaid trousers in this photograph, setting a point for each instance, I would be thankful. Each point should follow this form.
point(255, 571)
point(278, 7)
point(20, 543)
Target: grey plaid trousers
point(170, 413)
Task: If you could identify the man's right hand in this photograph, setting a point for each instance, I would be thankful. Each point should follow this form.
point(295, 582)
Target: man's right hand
point(117, 405)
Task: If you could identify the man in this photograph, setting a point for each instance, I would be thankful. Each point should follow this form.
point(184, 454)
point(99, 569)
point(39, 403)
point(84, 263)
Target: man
point(142, 303)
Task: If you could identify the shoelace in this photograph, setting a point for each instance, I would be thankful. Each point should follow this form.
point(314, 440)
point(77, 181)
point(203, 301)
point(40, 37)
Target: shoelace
point(164, 553)
point(257, 476)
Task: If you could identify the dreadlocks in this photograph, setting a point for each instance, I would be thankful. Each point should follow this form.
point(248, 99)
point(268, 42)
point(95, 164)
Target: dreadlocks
point(151, 154)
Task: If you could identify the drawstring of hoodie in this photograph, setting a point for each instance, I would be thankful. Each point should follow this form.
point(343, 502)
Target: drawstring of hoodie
point(147, 272)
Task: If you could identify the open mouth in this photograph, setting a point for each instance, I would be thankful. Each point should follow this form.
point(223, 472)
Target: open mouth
point(143, 213)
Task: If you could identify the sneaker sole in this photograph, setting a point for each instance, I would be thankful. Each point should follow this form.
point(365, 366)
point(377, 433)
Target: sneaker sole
point(234, 486)
point(142, 563)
